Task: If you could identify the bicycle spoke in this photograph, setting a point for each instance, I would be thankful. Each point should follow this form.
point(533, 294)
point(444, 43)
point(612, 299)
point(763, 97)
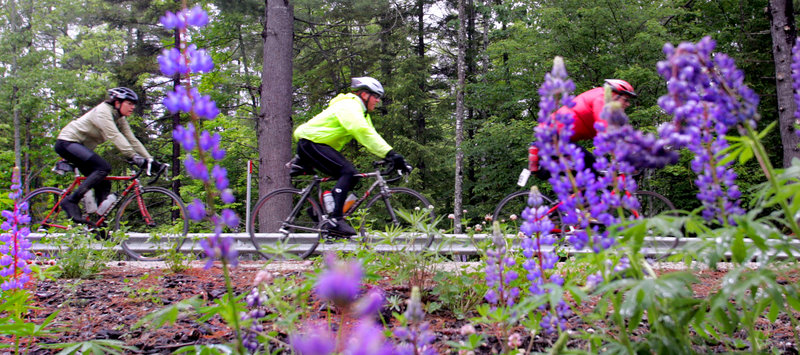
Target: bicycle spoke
point(277, 237)
point(384, 224)
point(156, 224)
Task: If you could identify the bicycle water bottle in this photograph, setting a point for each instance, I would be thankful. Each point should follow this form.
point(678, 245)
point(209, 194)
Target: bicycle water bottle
point(89, 202)
point(351, 199)
point(533, 158)
point(327, 200)
point(103, 208)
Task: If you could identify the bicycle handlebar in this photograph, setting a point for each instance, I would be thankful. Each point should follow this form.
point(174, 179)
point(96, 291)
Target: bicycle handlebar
point(148, 172)
point(390, 169)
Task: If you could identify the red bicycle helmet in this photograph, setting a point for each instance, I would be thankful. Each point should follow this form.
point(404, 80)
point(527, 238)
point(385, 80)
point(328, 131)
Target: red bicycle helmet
point(621, 87)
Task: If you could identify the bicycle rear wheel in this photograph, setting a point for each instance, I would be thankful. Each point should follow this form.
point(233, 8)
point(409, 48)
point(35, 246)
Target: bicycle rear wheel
point(508, 213)
point(276, 236)
point(157, 223)
point(43, 210)
point(383, 225)
point(653, 204)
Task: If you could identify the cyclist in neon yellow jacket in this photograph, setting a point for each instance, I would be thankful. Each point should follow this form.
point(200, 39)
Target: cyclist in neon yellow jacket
point(320, 139)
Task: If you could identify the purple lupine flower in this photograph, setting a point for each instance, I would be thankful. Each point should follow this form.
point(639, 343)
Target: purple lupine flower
point(340, 282)
point(195, 168)
point(254, 301)
point(227, 196)
point(369, 304)
point(171, 21)
point(196, 210)
point(205, 107)
point(15, 248)
point(199, 60)
point(415, 336)
point(217, 153)
point(185, 136)
point(172, 62)
point(706, 97)
point(217, 247)
point(315, 340)
point(220, 176)
point(196, 16)
point(178, 101)
point(368, 339)
point(556, 321)
point(593, 280)
point(796, 83)
point(208, 142)
point(229, 218)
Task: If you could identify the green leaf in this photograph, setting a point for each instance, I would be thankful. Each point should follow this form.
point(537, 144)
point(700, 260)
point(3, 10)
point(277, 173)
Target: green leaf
point(170, 313)
point(794, 302)
point(774, 310)
point(738, 248)
point(746, 154)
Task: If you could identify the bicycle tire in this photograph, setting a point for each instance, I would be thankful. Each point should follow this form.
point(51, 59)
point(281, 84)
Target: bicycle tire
point(40, 203)
point(296, 238)
point(167, 230)
point(383, 218)
point(653, 204)
point(508, 212)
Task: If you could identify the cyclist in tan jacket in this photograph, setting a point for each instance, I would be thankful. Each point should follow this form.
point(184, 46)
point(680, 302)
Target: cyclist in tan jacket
point(78, 139)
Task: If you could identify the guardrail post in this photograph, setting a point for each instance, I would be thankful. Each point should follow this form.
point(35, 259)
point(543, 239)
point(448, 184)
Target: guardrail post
point(247, 207)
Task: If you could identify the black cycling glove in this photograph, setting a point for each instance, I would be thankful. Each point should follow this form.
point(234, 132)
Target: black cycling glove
point(398, 162)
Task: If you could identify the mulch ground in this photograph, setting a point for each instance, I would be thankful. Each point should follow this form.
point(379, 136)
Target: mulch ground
point(108, 306)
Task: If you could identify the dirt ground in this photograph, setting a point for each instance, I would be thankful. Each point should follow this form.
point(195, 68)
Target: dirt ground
point(106, 307)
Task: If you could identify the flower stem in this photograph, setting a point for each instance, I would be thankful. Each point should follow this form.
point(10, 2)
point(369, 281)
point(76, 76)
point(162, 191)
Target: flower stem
point(231, 299)
point(769, 171)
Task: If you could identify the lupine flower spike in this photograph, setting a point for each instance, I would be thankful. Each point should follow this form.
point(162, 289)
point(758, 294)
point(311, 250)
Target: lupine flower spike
point(14, 252)
point(707, 96)
point(202, 147)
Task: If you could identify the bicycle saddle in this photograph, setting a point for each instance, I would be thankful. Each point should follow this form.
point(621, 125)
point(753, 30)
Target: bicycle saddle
point(62, 167)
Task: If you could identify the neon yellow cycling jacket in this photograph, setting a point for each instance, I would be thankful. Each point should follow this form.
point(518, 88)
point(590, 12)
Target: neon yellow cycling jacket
point(345, 118)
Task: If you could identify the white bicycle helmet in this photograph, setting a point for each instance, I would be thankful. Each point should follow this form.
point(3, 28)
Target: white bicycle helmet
point(123, 93)
point(367, 83)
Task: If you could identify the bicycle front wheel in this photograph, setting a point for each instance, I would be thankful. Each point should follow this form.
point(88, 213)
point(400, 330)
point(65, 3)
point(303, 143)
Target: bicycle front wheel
point(277, 233)
point(382, 221)
point(156, 222)
point(43, 210)
point(509, 213)
point(653, 204)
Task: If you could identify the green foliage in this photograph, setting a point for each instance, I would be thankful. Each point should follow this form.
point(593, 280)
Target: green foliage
point(81, 254)
point(459, 291)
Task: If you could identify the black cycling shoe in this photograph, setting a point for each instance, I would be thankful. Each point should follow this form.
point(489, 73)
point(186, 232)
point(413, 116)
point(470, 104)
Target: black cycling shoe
point(73, 211)
point(339, 228)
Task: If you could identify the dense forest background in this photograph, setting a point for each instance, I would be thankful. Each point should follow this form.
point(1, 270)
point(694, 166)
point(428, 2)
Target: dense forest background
point(58, 58)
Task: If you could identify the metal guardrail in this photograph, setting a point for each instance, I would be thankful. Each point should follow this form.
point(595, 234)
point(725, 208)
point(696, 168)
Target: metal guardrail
point(455, 244)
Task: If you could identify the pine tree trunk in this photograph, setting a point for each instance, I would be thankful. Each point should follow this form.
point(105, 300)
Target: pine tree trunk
point(274, 128)
point(784, 32)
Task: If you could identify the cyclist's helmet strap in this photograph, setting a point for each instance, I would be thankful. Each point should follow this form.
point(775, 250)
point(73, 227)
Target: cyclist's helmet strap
point(367, 83)
point(121, 94)
point(621, 87)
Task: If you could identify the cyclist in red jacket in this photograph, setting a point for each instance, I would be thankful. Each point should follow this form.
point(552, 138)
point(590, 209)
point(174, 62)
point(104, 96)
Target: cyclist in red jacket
point(586, 112)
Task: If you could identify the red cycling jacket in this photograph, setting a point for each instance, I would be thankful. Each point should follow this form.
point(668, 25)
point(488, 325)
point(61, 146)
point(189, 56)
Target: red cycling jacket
point(586, 111)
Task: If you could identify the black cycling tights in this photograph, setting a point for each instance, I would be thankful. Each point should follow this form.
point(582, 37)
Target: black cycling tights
point(91, 165)
point(330, 162)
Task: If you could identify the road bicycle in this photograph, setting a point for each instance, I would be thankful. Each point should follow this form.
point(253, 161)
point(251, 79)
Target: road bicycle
point(651, 204)
point(156, 212)
point(297, 217)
